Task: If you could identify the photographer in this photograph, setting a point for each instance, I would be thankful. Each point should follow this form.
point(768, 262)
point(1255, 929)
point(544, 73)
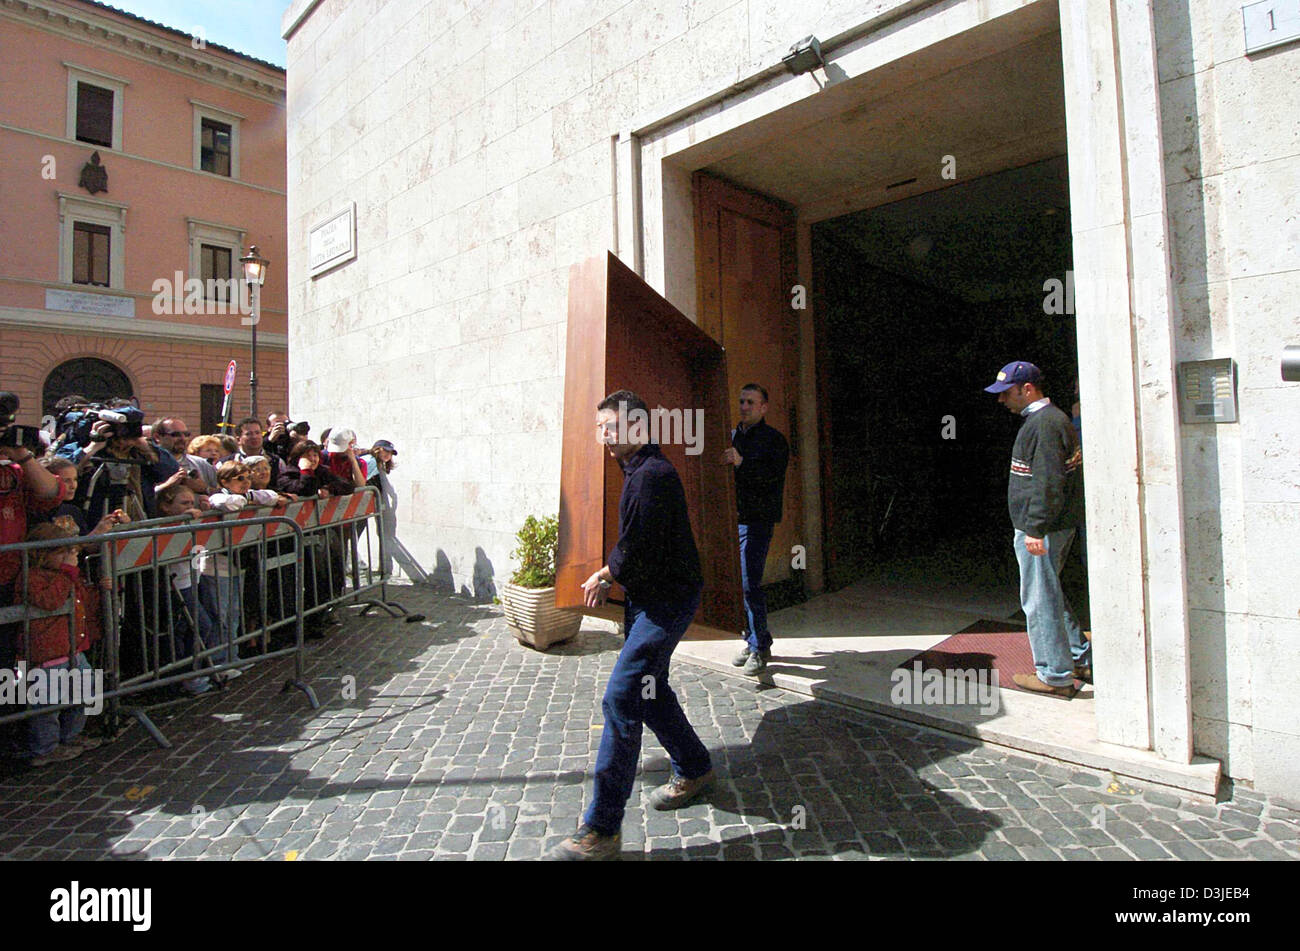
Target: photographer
point(200, 475)
point(120, 469)
point(26, 489)
point(282, 434)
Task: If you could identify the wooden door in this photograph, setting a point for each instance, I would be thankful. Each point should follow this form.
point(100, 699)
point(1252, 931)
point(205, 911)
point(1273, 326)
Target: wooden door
point(745, 273)
point(623, 335)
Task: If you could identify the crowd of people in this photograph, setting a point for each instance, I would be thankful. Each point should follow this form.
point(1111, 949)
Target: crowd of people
point(100, 467)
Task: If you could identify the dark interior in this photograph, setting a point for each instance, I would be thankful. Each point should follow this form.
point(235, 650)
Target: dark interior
point(921, 302)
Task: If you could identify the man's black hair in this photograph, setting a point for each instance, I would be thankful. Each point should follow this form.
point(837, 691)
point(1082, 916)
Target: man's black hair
point(249, 419)
point(756, 388)
point(624, 397)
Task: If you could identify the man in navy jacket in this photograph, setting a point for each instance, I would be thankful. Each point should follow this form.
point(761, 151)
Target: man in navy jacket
point(656, 562)
point(760, 455)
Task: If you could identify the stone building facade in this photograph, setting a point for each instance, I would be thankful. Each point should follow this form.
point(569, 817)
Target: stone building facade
point(489, 146)
point(135, 154)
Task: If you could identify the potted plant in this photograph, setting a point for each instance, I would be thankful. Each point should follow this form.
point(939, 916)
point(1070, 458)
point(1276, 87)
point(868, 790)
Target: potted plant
point(529, 596)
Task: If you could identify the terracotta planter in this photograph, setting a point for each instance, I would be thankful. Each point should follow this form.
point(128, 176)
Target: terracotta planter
point(534, 619)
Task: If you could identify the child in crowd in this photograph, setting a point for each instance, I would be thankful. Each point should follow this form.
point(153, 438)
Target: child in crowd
point(181, 590)
point(52, 579)
point(259, 467)
point(221, 588)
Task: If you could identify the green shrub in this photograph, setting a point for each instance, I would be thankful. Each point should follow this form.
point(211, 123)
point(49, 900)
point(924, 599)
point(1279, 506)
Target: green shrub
point(538, 540)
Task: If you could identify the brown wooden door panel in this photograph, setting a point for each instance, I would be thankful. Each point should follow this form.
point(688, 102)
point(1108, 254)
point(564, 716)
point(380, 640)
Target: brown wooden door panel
point(744, 273)
point(623, 335)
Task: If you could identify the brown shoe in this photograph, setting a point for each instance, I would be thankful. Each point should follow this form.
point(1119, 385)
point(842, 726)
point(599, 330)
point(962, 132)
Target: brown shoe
point(1083, 673)
point(83, 741)
point(680, 791)
point(1032, 683)
point(57, 755)
point(587, 845)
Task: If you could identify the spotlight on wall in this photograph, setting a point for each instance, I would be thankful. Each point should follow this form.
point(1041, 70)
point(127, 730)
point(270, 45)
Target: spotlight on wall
point(804, 56)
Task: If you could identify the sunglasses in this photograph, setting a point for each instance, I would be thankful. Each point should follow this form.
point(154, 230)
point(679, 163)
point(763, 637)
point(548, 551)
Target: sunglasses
point(175, 432)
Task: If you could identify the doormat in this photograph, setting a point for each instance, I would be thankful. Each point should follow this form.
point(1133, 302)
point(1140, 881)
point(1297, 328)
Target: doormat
point(986, 645)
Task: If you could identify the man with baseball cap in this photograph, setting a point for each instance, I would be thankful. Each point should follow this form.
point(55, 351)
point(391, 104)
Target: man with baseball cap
point(1045, 498)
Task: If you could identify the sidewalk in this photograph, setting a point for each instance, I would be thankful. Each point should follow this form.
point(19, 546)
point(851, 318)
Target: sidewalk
point(845, 646)
point(448, 740)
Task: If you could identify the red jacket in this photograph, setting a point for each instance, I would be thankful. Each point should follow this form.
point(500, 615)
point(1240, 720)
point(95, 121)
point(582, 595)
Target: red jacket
point(16, 502)
point(48, 589)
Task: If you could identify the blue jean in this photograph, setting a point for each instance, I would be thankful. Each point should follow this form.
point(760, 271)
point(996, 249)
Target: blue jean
point(1054, 636)
point(48, 730)
point(755, 539)
point(221, 607)
point(183, 632)
point(638, 693)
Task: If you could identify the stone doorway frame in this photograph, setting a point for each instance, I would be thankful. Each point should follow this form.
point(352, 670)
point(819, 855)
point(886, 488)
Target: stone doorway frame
point(1120, 232)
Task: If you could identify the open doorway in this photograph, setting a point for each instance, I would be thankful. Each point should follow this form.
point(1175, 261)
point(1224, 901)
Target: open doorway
point(920, 301)
point(923, 284)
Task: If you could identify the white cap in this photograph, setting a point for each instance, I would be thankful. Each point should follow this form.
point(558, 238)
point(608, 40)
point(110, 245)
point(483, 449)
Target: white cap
point(340, 439)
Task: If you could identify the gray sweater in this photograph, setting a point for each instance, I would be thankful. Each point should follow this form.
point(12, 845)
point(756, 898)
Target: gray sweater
point(1045, 492)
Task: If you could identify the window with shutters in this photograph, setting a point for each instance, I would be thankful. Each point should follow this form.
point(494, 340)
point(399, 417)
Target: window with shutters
point(91, 249)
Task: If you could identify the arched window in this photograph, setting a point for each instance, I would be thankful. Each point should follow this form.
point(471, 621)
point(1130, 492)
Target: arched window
point(96, 380)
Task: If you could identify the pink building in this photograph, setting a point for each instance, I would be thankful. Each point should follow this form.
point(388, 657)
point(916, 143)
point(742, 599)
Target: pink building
point(137, 163)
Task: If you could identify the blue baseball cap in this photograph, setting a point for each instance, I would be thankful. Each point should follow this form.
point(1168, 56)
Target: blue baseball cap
point(1014, 373)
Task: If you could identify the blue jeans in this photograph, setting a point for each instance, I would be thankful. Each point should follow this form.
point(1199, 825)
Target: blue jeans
point(221, 607)
point(638, 693)
point(48, 730)
point(1054, 634)
point(183, 633)
point(755, 539)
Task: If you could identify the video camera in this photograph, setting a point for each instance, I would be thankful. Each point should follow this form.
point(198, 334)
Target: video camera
point(11, 434)
point(126, 422)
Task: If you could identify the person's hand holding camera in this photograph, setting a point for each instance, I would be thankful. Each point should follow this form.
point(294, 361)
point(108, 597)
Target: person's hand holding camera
point(110, 521)
point(175, 477)
point(101, 432)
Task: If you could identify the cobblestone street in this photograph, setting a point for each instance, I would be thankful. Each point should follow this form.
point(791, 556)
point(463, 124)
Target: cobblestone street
point(448, 740)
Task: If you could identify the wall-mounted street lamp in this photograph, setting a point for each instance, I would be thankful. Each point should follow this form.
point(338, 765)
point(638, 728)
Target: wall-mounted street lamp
point(804, 56)
point(255, 276)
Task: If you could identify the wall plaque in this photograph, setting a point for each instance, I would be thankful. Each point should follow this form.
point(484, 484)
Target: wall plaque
point(333, 241)
point(76, 302)
point(1270, 23)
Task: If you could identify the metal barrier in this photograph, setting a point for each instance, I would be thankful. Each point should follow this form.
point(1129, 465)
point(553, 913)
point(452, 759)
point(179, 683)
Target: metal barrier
point(187, 593)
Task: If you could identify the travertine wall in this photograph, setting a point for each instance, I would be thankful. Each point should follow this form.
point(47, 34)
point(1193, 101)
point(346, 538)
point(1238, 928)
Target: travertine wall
point(1232, 167)
point(476, 141)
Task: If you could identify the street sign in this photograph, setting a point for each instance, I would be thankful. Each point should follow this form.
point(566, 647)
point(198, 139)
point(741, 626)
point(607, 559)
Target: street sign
point(230, 377)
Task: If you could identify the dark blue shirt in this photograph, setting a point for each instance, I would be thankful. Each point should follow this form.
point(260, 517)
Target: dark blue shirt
point(654, 559)
point(760, 477)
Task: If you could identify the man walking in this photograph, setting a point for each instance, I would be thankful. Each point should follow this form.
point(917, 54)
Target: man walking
point(656, 562)
point(1045, 497)
point(759, 454)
